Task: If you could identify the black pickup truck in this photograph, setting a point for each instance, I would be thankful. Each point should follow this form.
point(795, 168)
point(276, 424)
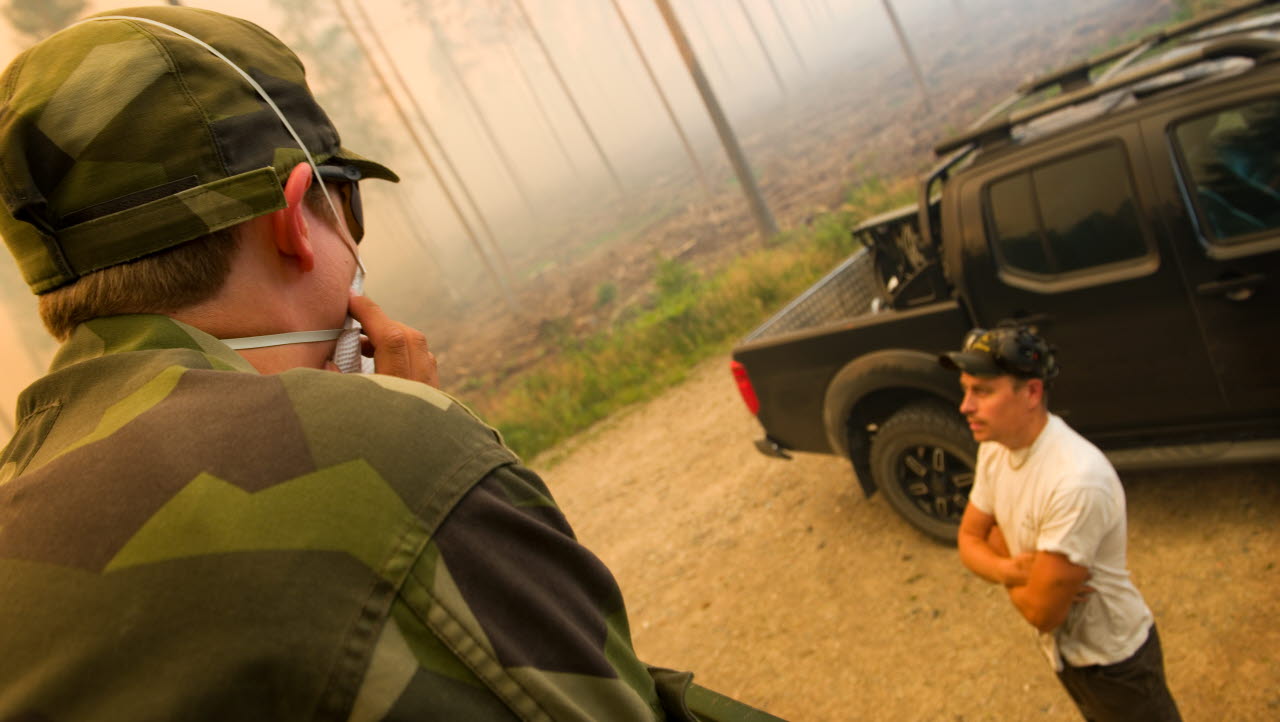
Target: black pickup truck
point(1128, 207)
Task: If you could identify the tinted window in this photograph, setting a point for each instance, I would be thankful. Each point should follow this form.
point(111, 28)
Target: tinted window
point(1013, 213)
point(1231, 168)
point(1066, 215)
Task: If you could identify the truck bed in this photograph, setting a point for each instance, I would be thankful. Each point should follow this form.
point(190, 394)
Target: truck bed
point(843, 293)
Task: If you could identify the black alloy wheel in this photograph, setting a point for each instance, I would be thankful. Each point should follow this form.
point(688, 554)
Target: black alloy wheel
point(923, 460)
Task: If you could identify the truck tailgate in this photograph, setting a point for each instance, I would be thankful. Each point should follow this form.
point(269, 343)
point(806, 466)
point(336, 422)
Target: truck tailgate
point(790, 372)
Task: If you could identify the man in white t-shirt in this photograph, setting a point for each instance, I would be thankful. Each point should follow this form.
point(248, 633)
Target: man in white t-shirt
point(1046, 518)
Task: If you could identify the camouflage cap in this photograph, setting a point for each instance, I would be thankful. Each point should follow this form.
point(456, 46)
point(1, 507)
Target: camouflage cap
point(119, 139)
point(1010, 349)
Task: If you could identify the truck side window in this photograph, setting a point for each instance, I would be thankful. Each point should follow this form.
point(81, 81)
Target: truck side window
point(1230, 164)
point(1066, 215)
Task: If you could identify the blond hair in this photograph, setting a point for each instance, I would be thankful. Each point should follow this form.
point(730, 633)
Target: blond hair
point(163, 282)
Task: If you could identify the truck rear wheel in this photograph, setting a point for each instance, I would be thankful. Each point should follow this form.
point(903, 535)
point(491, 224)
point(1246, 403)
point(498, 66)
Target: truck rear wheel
point(923, 458)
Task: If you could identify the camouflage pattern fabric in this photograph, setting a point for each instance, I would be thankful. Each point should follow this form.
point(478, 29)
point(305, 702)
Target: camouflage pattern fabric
point(119, 139)
point(182, 538)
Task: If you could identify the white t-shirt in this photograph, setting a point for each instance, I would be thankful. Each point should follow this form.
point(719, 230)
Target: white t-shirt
point(1062, 495)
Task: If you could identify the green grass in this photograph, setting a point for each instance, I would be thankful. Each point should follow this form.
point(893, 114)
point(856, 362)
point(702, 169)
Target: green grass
point(606, 293)
point(1187, 9)
point(690, 317)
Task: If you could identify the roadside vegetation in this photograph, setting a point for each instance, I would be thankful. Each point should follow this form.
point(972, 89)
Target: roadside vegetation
point(1188, 9)
point(690, 315)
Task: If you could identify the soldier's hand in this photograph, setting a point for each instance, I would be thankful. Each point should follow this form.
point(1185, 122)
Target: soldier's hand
point(397, 349)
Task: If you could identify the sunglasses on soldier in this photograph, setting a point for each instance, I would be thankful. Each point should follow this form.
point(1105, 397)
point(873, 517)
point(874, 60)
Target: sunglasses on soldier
point(346, 180)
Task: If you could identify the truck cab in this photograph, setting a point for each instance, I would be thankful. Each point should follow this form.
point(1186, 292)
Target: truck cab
point(1128, 208)
point(1142, 244)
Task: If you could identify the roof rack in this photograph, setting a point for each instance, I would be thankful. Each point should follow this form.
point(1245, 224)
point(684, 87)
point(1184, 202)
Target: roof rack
point(1075, 84)
point(1076, 76)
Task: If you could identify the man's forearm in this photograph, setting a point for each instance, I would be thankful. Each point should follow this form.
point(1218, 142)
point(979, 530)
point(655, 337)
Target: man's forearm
point(1038, 614)
point(978, 556)
point(1053, 585)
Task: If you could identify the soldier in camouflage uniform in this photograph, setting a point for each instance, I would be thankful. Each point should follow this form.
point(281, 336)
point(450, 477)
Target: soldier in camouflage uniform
point(190, 532)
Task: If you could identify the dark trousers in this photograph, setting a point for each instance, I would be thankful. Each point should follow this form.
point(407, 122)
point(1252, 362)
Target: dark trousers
point(1130, 691)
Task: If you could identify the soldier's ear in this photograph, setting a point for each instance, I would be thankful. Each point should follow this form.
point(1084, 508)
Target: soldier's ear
point(292, 235)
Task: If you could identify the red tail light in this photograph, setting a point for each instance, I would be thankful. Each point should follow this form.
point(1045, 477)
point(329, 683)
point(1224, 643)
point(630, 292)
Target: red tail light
point(744, 386)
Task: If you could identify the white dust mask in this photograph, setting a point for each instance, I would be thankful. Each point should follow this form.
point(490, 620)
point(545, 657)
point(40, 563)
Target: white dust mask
point(346, 353)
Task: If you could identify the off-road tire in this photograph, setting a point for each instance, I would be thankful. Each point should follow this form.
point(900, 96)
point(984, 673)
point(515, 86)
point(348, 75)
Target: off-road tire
point(922, 459)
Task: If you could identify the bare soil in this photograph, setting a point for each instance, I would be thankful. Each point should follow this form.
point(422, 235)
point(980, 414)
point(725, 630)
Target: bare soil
point(776, 582)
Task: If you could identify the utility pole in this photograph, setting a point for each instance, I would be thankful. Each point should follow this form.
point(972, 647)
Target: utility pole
point(826, 5)
point(786, 32)
point(555, 70)
point(764, 49)
point(422, 150)
point(759, 210)
point(711, 44)
point(725, 23)
point(812, 19)
point(675, 122)
point(435, 140)
point(487, 129)
point(418, 230)
point(532, 89)
point(906, 50)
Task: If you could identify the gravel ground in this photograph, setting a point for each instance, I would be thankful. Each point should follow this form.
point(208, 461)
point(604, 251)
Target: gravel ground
point(776, 582)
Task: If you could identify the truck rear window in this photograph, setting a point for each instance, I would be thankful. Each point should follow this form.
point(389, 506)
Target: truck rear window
point(1066, 215)
point(1231, 169)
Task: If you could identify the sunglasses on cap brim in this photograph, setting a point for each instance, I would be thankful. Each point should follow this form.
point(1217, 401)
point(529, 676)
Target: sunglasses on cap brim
point(346, 179)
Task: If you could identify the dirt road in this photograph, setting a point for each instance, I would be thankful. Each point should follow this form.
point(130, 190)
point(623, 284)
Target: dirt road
point(777, 583)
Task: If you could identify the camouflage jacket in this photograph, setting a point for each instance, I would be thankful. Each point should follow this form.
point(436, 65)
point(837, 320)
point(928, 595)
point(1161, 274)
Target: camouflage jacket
point(183, 538)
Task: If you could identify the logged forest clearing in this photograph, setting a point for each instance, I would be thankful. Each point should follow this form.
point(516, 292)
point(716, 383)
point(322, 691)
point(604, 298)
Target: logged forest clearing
point(638, 284)
point(621, 316)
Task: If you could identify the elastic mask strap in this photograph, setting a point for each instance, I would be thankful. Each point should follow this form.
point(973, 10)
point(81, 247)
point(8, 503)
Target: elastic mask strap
point(315, 170)
point(282, 339)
